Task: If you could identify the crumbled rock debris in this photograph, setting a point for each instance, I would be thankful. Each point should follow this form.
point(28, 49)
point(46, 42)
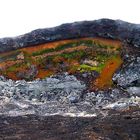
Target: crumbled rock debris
point(130, 74)
point(58, 94)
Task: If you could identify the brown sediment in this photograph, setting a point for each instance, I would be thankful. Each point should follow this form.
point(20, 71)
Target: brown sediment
point(8, 63)
point(115, 43)
point(51, 45)
point(44, 73)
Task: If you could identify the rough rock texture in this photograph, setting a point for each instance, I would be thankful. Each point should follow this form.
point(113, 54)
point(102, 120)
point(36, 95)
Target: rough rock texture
point(118, 125)
point(63, 106)
point(107, 28)
point(59, 108)
point(61, 94)
point(126, 76)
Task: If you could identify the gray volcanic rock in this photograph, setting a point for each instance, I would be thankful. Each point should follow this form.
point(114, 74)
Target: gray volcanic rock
point(134, 90)
point(129, 75)
point(107, 28)
point(51, 88)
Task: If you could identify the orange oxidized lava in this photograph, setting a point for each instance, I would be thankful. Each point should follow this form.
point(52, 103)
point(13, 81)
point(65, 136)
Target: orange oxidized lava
point(105, 78)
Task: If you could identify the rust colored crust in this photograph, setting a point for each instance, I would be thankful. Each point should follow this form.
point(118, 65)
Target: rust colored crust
point(105, 78)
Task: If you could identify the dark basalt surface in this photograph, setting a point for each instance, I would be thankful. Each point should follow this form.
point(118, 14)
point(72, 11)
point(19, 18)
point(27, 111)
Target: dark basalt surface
point(117, 125)
point(107, 28)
